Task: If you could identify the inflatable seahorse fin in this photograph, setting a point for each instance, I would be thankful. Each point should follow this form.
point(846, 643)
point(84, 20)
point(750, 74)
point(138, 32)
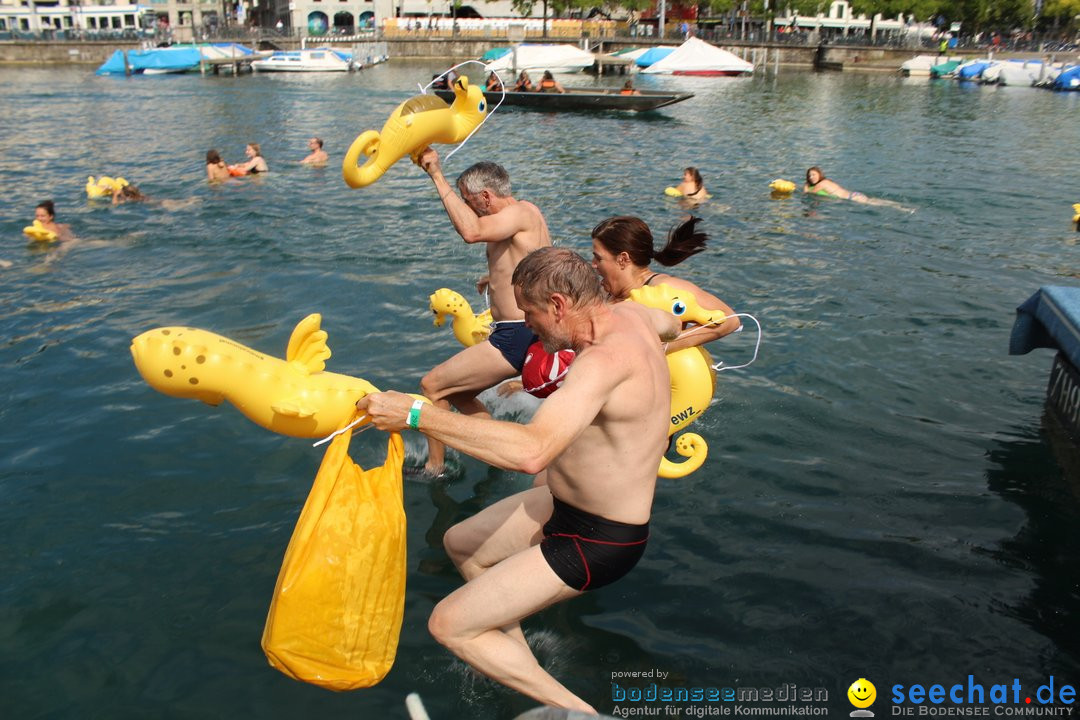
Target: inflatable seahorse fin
point(691, 446)
point(307, 349)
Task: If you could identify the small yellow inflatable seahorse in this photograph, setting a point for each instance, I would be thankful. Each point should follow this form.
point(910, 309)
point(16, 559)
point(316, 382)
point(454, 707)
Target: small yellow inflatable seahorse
point(469, 329)
point(693, 379)
point(103, 186)
point(38, 232)
point(293, 396)
point(414, 124)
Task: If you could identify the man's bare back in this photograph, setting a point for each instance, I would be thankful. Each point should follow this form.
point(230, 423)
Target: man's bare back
point(504, 256)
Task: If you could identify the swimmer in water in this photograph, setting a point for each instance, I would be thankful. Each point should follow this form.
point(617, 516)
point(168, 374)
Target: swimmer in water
point(818, 184)
point(45, 213)
point(692, 186)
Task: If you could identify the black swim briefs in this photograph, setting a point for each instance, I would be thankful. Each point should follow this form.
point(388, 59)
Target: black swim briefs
point(587, 551)
point(512, 338)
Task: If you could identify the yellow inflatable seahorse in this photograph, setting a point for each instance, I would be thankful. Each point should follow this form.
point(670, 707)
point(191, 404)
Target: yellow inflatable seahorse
point(693, 379)
point(414, 124)
point(1076, 213)
point(293, 396)
point(38, 232)
point(103, 186)
point(469, 329)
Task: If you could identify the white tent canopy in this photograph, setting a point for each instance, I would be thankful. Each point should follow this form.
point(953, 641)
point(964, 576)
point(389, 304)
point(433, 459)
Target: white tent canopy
point(556, 58)
point(697, 57)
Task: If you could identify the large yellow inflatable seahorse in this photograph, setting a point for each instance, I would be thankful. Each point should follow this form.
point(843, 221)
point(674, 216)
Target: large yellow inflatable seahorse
point(693, 379)
point(414, 124)
point(293, 396)
point(469, 328)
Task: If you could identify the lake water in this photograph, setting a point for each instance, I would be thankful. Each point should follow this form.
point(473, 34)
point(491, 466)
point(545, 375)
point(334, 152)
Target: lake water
point(882, 498)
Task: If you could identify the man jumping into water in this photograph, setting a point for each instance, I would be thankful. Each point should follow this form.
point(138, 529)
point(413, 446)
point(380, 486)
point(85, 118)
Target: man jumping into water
point(487, 213)
point(595, 445)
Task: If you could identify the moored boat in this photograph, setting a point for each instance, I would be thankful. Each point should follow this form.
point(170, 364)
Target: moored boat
point(581, 99)
point(307, 60)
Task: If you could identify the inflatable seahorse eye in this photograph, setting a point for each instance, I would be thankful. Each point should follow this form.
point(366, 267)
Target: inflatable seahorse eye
point(678, 308)
point(414, 124)
point(293, 396)
point(469, 329)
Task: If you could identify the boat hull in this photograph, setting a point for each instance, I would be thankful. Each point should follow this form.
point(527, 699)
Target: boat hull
point(581, 99)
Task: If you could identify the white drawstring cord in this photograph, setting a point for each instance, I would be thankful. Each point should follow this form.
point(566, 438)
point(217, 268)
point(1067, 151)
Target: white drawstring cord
point(424, 89)
point(718, 367)
point(334, 434)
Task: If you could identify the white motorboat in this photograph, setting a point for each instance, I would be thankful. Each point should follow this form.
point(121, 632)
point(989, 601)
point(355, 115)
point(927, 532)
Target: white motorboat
point(308, 60)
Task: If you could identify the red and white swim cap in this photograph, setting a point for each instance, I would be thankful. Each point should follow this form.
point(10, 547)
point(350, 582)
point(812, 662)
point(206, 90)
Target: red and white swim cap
point(543, 373)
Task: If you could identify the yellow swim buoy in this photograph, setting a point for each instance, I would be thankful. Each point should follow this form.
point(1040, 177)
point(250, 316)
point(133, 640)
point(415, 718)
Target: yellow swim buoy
point(782, 186)
point(414, 124)
point(103, 186)
point(293, 396)
point(469, 328)
point(38, 232)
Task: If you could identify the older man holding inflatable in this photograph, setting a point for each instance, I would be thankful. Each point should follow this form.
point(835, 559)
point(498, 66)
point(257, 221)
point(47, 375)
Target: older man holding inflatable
point(596, 444)
point(486, 212)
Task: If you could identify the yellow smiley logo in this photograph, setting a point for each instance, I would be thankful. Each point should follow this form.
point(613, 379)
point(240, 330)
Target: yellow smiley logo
point(862, 693)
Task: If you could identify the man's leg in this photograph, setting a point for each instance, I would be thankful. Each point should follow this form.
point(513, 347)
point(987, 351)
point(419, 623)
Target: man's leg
point(498, 532)
point(469, 622)
point(461, 379)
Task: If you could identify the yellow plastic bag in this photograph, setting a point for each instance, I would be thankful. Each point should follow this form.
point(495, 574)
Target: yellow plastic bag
point(336, 614)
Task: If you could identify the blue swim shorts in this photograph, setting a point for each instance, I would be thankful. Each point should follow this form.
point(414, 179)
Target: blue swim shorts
point(512, 338)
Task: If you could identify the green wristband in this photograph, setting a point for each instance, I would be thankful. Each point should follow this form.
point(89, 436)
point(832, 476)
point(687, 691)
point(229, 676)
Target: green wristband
point(413, 420)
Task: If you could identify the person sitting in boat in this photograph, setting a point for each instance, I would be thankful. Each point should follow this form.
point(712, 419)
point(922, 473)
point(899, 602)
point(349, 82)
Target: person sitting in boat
point(629, 89)
point(254, 165)
point(549, 84)
point(318, 156)
point(818, 184)
point(692, 186)
point(494, 84)
point(443, 81)
point(216, 169)
point(524, 83)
